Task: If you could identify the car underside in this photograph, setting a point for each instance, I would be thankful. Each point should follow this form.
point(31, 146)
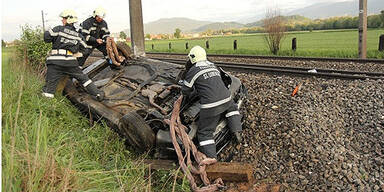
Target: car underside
point(140, 96)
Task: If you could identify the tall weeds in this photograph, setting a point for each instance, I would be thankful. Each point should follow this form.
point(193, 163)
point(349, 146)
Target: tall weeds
point(48, 146)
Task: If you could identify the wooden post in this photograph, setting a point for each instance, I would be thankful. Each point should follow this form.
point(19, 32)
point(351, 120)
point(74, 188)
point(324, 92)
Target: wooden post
point(363, 29)
point(294, 46)
point(153, 46)
point(232, 172)
point(137, 27)
point(235, 44)
point(381, 43)
point(186, 45)
point(207, 44)
point(170, 45)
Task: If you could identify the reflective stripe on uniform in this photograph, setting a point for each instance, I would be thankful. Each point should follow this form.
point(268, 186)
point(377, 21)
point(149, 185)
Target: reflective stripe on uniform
point(207, 142)
point(87, 38)
point(92, 29)
point(190, 84)
point(85, 31)
point(60, 51)
point(105, 36)
point(52, 33)
point(215, 104)
point(60, 58)
point(232, 113)
point(87, 83)
point(105, 29)
point(64, 35)
point(49, 95)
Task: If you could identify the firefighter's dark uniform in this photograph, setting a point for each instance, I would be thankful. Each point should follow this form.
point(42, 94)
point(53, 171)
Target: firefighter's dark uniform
point(215, 99)
point(92, 30)
point(65, 41)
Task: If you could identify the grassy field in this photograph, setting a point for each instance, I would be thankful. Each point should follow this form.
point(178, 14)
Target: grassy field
point(47, 145)
point(331, 43)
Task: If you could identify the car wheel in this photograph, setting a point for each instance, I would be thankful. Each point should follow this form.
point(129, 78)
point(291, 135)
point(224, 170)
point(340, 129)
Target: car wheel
point(124, 49)
point(137, 132)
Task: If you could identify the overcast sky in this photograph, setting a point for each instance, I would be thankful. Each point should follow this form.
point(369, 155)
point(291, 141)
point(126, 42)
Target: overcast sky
point(16, 13)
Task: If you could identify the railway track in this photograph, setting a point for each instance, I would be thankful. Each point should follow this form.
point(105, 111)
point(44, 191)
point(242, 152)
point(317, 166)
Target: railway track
point(354, 60)
point(327, 73)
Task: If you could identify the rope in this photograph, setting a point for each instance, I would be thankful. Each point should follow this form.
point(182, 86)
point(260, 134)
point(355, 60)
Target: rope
point(113, 53)
point(176, 127)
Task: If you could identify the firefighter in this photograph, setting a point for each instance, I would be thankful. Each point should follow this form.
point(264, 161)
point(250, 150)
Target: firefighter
point(95, 30)
point(203, 78)
point(66, 44)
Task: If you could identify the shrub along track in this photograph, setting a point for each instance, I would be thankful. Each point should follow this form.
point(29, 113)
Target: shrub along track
point(328, 137)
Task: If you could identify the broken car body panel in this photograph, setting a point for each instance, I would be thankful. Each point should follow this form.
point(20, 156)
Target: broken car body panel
point(138, 98)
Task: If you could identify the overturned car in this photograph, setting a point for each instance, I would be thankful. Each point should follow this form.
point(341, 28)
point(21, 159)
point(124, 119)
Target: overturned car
point(139, 96)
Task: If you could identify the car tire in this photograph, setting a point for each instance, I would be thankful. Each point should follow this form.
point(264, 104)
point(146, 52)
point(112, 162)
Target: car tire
point(124, 49)
point(138, 134)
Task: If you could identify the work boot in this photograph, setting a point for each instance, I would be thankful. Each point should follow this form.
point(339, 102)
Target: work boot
point(238, 137)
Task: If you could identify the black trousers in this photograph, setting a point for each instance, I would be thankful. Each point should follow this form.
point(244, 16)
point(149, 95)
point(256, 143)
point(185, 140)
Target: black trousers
point(207, 126)
point(56, 72)
point(234, 118)
point(87, 52)
point(205, 130)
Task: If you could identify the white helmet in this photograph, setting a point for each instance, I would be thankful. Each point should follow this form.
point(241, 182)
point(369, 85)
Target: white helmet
point(70, 15)
point(99, 12)
point(197, 54)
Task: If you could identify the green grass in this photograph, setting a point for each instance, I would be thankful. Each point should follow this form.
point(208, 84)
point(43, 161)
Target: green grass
point(47, 144)
point(330, 43)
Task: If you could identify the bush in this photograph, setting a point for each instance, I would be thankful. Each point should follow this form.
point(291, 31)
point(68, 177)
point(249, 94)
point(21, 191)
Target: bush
point(33, 45)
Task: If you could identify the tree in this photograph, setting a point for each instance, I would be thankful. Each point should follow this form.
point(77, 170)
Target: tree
point(3, 44)
point(382, 18)
point(177, 33)
point(123, 35)
point(275, 30)
point(148, 36)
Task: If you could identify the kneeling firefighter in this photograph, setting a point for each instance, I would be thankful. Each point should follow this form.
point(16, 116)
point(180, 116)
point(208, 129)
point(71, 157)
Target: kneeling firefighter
point(66, 46)
point(203, 78)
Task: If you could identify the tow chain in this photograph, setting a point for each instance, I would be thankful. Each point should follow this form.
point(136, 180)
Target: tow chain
point(112, 52)
point(176, 127)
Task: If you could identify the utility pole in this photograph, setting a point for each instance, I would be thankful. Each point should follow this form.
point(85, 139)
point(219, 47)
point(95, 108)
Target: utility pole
point(363, 29)
point(137, 27)
point(42, 17)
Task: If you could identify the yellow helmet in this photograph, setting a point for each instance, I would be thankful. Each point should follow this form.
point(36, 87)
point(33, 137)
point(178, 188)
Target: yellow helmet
point(70, 15)
point(99, 12)
point(197, 54)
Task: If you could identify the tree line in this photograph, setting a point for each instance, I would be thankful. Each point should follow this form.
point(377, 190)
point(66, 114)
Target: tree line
point(344, 22)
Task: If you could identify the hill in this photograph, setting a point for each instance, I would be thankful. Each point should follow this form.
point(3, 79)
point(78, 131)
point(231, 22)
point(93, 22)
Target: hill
point(325, 10)
point(219, 26)
point(292, 19)
point(350, 8)
point(168, 25)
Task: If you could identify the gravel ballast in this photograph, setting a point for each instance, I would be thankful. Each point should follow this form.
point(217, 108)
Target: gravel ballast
point(328, 137)
point(349, 66)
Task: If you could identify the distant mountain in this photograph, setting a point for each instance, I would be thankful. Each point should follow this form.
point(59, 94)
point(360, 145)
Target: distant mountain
point(325, 10)
point(169, 25)
point(350, 8)
point(219, 26)
point(296, 19)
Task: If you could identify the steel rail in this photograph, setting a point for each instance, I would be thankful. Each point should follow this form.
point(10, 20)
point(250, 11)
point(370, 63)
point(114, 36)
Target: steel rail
point(327, 59)
point(290, 70)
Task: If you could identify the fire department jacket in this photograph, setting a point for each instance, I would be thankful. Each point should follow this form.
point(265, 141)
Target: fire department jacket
point(205, 79)
point(92, 30)
point(65, 41)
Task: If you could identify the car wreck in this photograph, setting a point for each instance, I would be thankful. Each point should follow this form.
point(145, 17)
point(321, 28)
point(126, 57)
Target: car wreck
point(140, 96)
